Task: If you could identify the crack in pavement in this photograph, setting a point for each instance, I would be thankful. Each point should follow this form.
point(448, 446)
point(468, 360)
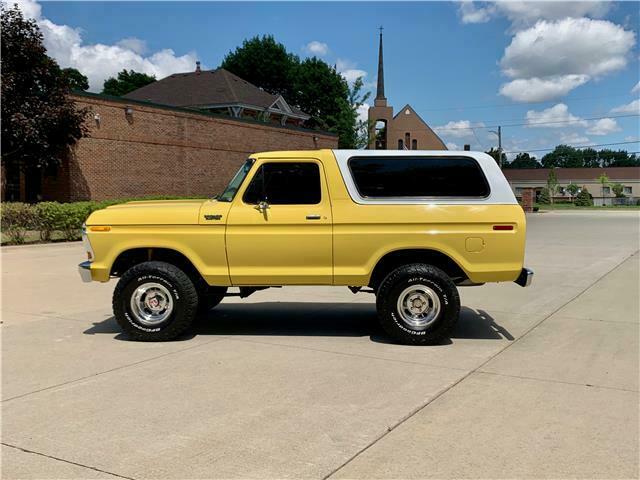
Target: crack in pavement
point(51, 457)
point(110, 370)
point(471, 372)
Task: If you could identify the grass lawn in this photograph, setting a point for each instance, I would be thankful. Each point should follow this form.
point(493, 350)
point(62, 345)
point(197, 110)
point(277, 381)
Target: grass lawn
point(33, 236)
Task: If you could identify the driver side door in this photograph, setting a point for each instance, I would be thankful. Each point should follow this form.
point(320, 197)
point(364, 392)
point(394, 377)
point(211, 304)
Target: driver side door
point(279, 230)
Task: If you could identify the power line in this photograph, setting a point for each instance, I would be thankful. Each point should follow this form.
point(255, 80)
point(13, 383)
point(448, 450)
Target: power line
point(503, 105)
point(528, 124)
point(576, 146)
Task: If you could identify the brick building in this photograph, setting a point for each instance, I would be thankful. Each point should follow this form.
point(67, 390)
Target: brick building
point(137, 148)
point(536, 179)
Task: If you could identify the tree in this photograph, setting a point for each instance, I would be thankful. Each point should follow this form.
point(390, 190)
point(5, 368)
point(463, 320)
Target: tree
point(127, 81)
point(552, 184)
point(523, 160)
point(311, 85)
point(265, 63)
point(573, 189)
point(493, 152)
point(39, 121)
point(75, 79)
point(618, 190)
point(544, 197)
point(604, 181)
point(583, 199)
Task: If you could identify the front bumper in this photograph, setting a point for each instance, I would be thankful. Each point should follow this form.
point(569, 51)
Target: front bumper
point(84, 269)
point(525, 277)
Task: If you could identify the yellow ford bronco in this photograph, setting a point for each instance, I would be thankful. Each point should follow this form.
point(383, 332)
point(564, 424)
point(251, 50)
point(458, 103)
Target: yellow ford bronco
point(408, 226)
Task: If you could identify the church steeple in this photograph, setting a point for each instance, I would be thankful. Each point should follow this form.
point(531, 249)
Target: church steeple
point(380, 91)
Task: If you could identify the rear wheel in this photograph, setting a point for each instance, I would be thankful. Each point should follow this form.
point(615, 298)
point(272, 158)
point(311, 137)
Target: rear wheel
point(418, 304)
point(155, 301)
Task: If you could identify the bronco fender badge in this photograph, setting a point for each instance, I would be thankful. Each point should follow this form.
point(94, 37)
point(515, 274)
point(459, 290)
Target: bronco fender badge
point(212, 217)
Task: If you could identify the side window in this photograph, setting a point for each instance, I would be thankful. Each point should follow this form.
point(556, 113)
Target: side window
point(281, 183)
point(405, 176)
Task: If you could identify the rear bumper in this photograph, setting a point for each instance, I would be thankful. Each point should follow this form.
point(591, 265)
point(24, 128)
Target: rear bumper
point(84, 269)
point(525, 277)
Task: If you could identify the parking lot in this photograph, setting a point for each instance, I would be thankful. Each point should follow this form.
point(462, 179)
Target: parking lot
point(301, 383)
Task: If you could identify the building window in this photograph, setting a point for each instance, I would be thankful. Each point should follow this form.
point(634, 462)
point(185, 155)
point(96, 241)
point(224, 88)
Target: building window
point(518, 191)
point(407, 139)
point(562, 191)
point(400, 145)
point(414, 144)
point(285, 184)
point(606, 190)
point(403, 176)
point(627, 190)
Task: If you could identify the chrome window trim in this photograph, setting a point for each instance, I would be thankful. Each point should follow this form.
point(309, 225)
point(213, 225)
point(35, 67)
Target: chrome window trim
point(500, 192)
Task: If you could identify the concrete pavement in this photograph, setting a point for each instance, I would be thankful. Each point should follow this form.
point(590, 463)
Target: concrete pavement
point(300, 383)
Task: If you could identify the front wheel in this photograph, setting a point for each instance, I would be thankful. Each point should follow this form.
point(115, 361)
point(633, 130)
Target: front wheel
point(418, 304)
point(155, 301)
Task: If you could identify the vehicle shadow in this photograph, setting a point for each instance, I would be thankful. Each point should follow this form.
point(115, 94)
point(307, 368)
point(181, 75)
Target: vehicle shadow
point(311, 319)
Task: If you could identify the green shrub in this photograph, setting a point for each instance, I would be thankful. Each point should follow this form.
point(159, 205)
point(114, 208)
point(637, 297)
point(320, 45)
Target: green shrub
point(584, 199)
point(73, 216)
point(16, 220)
point(49, 218)
point(544, 197)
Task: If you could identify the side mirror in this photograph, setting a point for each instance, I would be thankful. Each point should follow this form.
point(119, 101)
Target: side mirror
point(262, 206)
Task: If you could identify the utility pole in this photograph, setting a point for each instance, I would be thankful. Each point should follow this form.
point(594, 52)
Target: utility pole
point(499, 135)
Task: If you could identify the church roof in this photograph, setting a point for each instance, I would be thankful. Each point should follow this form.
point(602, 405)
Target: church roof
point(210, 88)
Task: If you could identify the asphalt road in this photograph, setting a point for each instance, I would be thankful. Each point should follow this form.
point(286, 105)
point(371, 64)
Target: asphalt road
point(300, 383)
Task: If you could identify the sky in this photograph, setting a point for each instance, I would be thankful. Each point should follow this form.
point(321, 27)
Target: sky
point(547, 72)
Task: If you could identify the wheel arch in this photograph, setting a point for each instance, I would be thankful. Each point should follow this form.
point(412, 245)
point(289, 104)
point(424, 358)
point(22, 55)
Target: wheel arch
point(403, 256)
point(133, 256)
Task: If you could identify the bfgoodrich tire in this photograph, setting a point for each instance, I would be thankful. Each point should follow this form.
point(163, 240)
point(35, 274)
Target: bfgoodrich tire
point(418, 304)
point(154, 302)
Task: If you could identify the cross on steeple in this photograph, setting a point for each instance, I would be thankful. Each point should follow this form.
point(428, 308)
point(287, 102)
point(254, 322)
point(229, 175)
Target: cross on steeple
point(380, 90)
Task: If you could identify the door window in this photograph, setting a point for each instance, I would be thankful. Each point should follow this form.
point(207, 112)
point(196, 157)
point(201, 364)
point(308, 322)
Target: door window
point(285, 184)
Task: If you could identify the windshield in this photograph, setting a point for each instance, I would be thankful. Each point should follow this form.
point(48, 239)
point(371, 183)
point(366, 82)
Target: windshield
point(236, 181)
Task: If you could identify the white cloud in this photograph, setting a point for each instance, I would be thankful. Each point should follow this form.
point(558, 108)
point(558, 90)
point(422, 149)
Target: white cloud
point(134, 44)
point(550, 59)
point(316, 48)
point(349, 72)
point(541, 89)
point(574, 139)
point(559, 114)
point(99, 61)
point(568, 47)
point(636, 89)
point(363, 112)
point(633, 107)
point(470, 13)
point(632, 138)
point(453, 146)
point(604, 126)
point(524, 14)
point(459, 129)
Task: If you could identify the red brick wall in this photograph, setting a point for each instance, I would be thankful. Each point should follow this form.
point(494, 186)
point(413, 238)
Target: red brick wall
point(161, 151)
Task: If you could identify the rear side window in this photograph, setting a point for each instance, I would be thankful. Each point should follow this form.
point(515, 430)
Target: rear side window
point(418, 177)
point(285, 184)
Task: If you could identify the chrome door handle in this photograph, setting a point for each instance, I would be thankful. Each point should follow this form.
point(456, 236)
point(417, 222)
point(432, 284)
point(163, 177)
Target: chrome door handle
point(313, 217)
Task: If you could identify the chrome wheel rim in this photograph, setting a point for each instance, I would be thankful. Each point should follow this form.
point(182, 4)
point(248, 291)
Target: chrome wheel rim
point(151, 303)
point(418, 306)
